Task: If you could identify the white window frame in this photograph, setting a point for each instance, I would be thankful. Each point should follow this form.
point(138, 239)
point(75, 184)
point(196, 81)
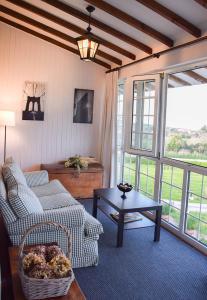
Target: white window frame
point(128, 108)
point(187, 167)
point(120, 82)
point(159, 157)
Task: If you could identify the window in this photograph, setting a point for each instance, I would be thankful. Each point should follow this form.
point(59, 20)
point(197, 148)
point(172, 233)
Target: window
point(196, 215)
point(171, 194)
point(130, 166)
point(140, 172)
point(142, 94)
point(146, 176)
point(186, 122)
point(163, 147)
point(143, 115)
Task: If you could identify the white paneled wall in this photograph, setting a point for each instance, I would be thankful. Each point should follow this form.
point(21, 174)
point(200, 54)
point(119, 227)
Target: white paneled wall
point(24, 57)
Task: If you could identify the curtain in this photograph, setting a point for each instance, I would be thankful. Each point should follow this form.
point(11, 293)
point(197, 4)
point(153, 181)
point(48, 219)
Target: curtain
point(108, 145)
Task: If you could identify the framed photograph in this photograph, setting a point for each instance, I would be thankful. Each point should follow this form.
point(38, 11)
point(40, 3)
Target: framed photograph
point(83, 106)
point(33, 98)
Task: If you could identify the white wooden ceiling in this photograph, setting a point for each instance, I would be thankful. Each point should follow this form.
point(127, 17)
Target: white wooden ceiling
point(188, 9)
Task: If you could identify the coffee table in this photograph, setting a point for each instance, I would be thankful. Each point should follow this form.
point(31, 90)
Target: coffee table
point(110, 201)
point(74, 292)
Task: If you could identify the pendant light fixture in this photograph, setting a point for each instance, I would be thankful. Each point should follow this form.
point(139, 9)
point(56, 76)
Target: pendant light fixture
point(88, 44)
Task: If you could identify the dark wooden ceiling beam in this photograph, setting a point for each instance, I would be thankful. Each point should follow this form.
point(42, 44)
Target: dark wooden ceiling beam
point(170, 86)
point(202, 2)
point(53, 31)
point(196, 76)
point(70, 26)
point(179, 80)
point(49, 39)
point(108, 56)
point(171, 16)
point(117, 13)
point(96, 23)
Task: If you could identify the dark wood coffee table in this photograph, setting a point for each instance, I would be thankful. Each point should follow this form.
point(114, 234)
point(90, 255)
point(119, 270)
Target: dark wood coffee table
point(74, 292)
point(110, 201)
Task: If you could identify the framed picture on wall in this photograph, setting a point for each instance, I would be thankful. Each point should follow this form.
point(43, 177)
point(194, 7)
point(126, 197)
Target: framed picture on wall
point(83, 106)
point(33, 98)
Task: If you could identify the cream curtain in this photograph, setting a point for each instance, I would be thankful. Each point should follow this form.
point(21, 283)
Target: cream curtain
point(108, 130)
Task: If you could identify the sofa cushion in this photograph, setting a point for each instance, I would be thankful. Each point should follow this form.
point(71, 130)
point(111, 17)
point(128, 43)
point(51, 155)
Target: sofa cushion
point(57, 201)
point(53, 195)
point(13, 175)
point(23, 201)
point(9, 160)
point(6, 210)
point(21, 198)
point(51, 188)
point(36, 178)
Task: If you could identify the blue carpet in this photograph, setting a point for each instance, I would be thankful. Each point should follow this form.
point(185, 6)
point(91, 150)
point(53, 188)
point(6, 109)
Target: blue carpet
point(142, 269)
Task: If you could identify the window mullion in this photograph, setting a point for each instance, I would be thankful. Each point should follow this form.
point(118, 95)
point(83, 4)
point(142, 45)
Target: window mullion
point(122, 165)
point(157, 181)
point(184, 201)
point(137, 172)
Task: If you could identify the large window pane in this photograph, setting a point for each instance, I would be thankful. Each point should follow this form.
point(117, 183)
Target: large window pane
point(129, 174)
point(171, 194)
point(203, 233)
point(146, 175)
point(192, 226)
point(143, 115)
point(196, 215)
point(186, 122)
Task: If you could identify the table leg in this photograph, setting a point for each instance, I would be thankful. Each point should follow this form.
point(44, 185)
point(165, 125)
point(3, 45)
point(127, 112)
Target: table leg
point(157, 224)
point(95, 205)
point(120, 231)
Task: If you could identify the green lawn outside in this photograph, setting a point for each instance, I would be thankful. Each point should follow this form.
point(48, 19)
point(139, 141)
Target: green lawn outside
point(169, 174)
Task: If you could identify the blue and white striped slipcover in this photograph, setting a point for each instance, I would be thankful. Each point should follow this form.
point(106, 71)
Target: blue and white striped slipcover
point(59, 206)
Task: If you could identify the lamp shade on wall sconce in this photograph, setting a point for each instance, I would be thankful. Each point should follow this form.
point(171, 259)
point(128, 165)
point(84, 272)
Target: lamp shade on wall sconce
point(7, 118)
point(88, 44)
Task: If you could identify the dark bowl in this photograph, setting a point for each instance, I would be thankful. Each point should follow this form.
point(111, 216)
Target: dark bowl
point(124, 187)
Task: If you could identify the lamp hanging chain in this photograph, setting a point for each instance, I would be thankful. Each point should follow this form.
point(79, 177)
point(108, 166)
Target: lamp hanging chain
point(89, 23)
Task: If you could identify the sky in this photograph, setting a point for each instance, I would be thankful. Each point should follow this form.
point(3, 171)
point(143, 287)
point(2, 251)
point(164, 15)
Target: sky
point(187, 107)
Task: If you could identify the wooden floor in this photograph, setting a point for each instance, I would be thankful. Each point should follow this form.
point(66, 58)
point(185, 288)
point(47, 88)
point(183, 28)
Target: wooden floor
point(4, 261)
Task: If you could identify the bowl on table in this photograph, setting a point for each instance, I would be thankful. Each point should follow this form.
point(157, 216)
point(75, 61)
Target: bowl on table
point(125, 188)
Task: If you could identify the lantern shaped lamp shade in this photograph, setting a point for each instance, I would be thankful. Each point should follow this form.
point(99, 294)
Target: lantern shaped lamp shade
point(87, 47)
point(7, 118)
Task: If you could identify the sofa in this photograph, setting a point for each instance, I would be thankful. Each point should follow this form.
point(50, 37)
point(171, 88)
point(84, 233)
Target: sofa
point(30, 198)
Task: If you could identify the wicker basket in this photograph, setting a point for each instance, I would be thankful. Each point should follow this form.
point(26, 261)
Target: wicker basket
point(44, 288)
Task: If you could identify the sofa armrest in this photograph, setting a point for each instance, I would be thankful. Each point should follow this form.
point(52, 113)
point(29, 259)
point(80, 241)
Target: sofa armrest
point(92, 226)
point(72, 216)
point(36, 178)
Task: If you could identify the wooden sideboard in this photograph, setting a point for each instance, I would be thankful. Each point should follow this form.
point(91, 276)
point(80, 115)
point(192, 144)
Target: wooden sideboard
point(80, 185)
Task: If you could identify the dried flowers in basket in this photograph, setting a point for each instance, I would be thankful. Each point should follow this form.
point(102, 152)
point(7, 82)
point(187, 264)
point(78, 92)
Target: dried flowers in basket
point(76, 162)
point(45, 271)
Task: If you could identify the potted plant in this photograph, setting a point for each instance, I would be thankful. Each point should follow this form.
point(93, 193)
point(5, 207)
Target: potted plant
point(76, 162)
